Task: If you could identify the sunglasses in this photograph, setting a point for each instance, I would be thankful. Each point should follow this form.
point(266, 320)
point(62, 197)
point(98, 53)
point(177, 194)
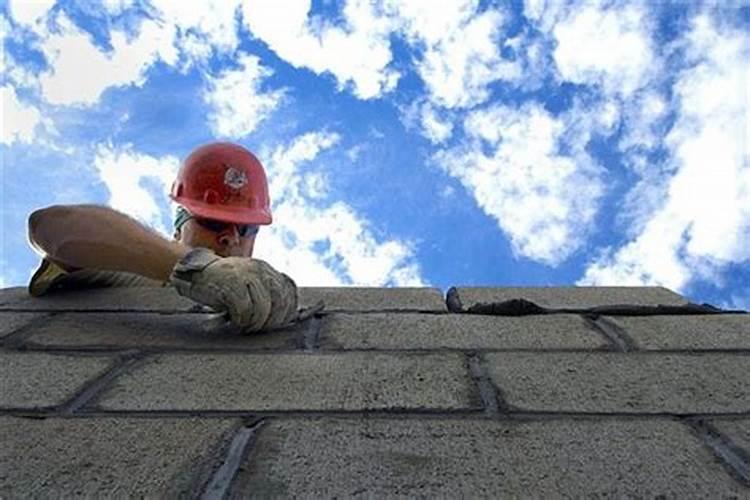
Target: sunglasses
point(218, 226)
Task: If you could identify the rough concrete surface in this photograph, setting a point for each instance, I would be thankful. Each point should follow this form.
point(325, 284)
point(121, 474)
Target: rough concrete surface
point(151, 330)
point(737, 430)
point(167, 299)
point(572, 296)
point(616, 382)
point(31, 380)
point(110, 299)
point(351, 381)
point(384, 394)
point(723, 331)
point(437, 331)
point(12, 294)
point(108, 457)
point(453, 458)
point(369, 299)
point(10, 322)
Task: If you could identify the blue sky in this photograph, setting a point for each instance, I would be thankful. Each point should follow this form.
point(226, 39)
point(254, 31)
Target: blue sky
point(407, 143)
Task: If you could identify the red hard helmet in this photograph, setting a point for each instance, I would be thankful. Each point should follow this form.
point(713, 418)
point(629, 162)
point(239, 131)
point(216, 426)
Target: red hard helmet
point(223, 181)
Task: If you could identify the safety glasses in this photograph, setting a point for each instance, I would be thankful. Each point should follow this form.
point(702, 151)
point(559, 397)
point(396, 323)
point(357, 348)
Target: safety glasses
point(218, 226)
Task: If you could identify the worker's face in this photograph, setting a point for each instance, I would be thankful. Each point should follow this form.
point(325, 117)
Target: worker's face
point(226, 242)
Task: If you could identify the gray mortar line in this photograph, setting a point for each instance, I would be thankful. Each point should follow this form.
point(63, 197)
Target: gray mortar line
point(613, 333)
point(385, 311)
point(733, 457)
point(221, 481)
point(167, 312)
point(311, 339)
point(171, 312)
point(299, 342)
point(93, 389)
point(17, 337)
point(491, 398)
point(453, 301)
point(469, 413)
point(396, 413)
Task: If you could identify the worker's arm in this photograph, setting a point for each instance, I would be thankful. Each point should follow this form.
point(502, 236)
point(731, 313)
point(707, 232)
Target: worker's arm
point(96, 237)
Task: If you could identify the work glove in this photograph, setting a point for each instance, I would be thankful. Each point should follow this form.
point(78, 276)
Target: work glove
point(253, 294)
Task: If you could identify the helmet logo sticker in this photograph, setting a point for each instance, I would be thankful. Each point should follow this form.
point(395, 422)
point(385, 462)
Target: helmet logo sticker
point(235, 179)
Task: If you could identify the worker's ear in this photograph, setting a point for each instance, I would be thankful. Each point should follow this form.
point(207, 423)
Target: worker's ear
point(177, 234)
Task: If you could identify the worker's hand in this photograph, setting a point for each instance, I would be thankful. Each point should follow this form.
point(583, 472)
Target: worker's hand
point(253, 293)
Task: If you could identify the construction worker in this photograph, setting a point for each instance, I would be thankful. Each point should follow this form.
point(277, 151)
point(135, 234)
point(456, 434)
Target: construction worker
point(222, 193)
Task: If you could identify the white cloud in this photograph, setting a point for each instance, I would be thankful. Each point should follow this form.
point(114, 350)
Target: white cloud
point(354, 152)
point(29, 12)
point(434, 127)
point(127, 175)
point(544, 200)
point(115, 7)
point(357, 53)
point(460, 45)
point(80, 72)
point(237, 104)
point(177, 36)
point(319, 244)
point(202, 27)
point(608, 47)
point(19, 120)
point(434, 123)
point(703, 221)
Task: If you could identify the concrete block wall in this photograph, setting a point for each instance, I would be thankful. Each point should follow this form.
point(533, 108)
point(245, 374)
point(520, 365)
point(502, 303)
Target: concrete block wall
point(384, 393)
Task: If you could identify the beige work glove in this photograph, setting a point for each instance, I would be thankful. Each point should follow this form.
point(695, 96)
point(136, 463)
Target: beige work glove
point(254, 294)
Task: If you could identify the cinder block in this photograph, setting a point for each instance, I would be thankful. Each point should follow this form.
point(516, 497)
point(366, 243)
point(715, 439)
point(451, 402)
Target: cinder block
point(374, 299)
point(722, 331)
point(149, 330)
point(166, 299)
point(108, 299)
point(457, 331)
point(39, 380)
point(13, 321)
point(109, 457)
point(460, 458)
point(737, 430)
point(572, 296)
point(617, 382)
point(12, 294)
point(351, 381)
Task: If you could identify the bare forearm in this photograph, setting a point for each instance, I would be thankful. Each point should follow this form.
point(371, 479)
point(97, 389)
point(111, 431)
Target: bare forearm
point(94, 237)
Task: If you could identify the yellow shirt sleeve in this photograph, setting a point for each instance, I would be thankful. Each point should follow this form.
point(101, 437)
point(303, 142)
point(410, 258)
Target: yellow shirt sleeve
point(45, 278)
point(50, 277)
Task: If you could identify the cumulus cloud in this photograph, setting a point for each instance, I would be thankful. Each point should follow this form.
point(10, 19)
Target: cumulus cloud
point(237, 103)
point(609, 47)
point(137, 183)
point(115, 7)
point(460, 48)
point(203, 28)
point(703, 221)
point(71, 52)
point(174, 35)
point(19, 120)
point(432, 122)
point(543, 199)
point(29, 13)
point(325, 244)
point(357, 53)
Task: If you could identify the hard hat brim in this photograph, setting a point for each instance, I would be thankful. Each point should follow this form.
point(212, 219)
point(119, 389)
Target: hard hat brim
point(237, 215)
